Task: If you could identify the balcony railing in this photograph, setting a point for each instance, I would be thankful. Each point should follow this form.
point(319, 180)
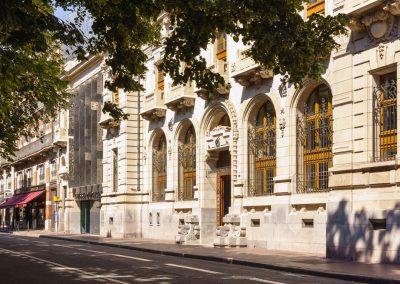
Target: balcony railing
point(154, 107)
point(36, 147)
point(30, 189)
point(60, 137)
point(246, 71)
point(180, 97)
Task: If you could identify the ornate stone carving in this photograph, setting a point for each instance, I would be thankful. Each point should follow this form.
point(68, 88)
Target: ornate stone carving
point(218, 138)
point(393, 8)
point(231, 234)
point(381, 51)
point(171, 124)
point(380, 24)
point(283, 89)
point(189, 231)
point(282, 122)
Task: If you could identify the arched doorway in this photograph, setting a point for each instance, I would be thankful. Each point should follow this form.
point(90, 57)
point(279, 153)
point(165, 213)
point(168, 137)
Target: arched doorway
point(218, 146)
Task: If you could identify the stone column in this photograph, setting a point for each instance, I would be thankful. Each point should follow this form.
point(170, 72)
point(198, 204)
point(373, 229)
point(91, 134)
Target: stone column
point(13, 181)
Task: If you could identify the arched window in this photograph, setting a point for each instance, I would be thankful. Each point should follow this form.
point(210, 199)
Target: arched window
point(160, 169)
point(187, 165)
point(314, 136)
point(385, 118)
point(262, 144)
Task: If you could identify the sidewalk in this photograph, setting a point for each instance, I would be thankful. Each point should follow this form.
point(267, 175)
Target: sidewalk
point(255, 257)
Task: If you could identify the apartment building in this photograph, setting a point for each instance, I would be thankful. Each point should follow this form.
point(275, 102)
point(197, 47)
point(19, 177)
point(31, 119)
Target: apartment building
point(30, 183)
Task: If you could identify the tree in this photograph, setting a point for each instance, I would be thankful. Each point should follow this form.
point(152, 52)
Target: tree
point(31, 36)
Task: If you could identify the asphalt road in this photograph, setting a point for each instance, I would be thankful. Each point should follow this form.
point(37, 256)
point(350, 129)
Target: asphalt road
point(33, 260)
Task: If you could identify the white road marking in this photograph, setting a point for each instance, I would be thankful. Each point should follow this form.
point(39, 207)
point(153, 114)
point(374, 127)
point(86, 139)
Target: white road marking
point(77, 270)
point(264, 280)
point(21, 239)
point(75, 248)
point(108, 254)
point(130, 257)
point(89, 250)
point(8, 237)
point(193, 268)
point(257, 279)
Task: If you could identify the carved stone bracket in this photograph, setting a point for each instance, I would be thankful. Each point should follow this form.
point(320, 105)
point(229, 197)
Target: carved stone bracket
point(189, 231)
point(231, 234)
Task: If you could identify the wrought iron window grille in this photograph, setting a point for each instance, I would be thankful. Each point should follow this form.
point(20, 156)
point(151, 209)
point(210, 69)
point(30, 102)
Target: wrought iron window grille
point(385, 121)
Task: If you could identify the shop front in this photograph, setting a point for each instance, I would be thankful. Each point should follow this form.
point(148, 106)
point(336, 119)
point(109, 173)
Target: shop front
point(24, 211)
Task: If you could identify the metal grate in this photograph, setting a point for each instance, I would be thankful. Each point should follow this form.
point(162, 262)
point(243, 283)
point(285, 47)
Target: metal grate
point(314, 143)
point(159, 171)
point(385, 120)
point(262, 149)
point(187, 166)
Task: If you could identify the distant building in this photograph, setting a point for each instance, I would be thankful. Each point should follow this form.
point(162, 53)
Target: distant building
point(85, 149)
point(31, 182)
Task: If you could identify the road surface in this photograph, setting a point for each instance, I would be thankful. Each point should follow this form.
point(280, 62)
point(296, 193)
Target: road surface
point(34, 260)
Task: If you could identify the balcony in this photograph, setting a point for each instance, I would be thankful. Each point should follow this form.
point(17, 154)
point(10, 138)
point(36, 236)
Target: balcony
point(34, 148)
point(358, 7)
point(220, 67)
point(107, 121)
point(154, 108)
point(219, 138)
point(180, 97)
point(246, 72)
point(63, 170)
point(60, 137)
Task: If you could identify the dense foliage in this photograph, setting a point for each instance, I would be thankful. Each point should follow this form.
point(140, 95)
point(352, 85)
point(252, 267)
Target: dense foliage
point(30, 37)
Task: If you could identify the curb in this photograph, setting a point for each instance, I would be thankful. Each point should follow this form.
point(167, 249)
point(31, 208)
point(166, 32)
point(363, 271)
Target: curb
point(229, 260)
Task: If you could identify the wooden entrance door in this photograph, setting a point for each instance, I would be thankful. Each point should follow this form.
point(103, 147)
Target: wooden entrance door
point(223, 196)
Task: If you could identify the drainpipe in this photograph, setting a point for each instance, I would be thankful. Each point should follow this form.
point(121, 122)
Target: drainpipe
point(138, 159)
point(138, 147)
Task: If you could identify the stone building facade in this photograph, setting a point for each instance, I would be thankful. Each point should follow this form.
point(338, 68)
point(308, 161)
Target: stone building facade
point(32, 180)
point(82, 193)
point(263, 164)
point(257, 163)
point(121, 208)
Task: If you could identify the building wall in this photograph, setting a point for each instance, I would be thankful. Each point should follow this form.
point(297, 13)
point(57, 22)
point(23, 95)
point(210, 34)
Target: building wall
point(85, 148)
point(360, 189)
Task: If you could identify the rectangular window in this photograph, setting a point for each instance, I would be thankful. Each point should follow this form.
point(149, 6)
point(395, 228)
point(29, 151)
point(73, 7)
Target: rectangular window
point(221, 46)
point(41, 174)
point(53, 170)
point(29, 178)
point(20, 179)
point(315, 6)
point(160, 79)
point(116, 98)
point(115, 170)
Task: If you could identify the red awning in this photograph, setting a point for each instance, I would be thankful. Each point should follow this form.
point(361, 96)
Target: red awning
point(21, 199)
point(13, 200)
point(30, 197)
